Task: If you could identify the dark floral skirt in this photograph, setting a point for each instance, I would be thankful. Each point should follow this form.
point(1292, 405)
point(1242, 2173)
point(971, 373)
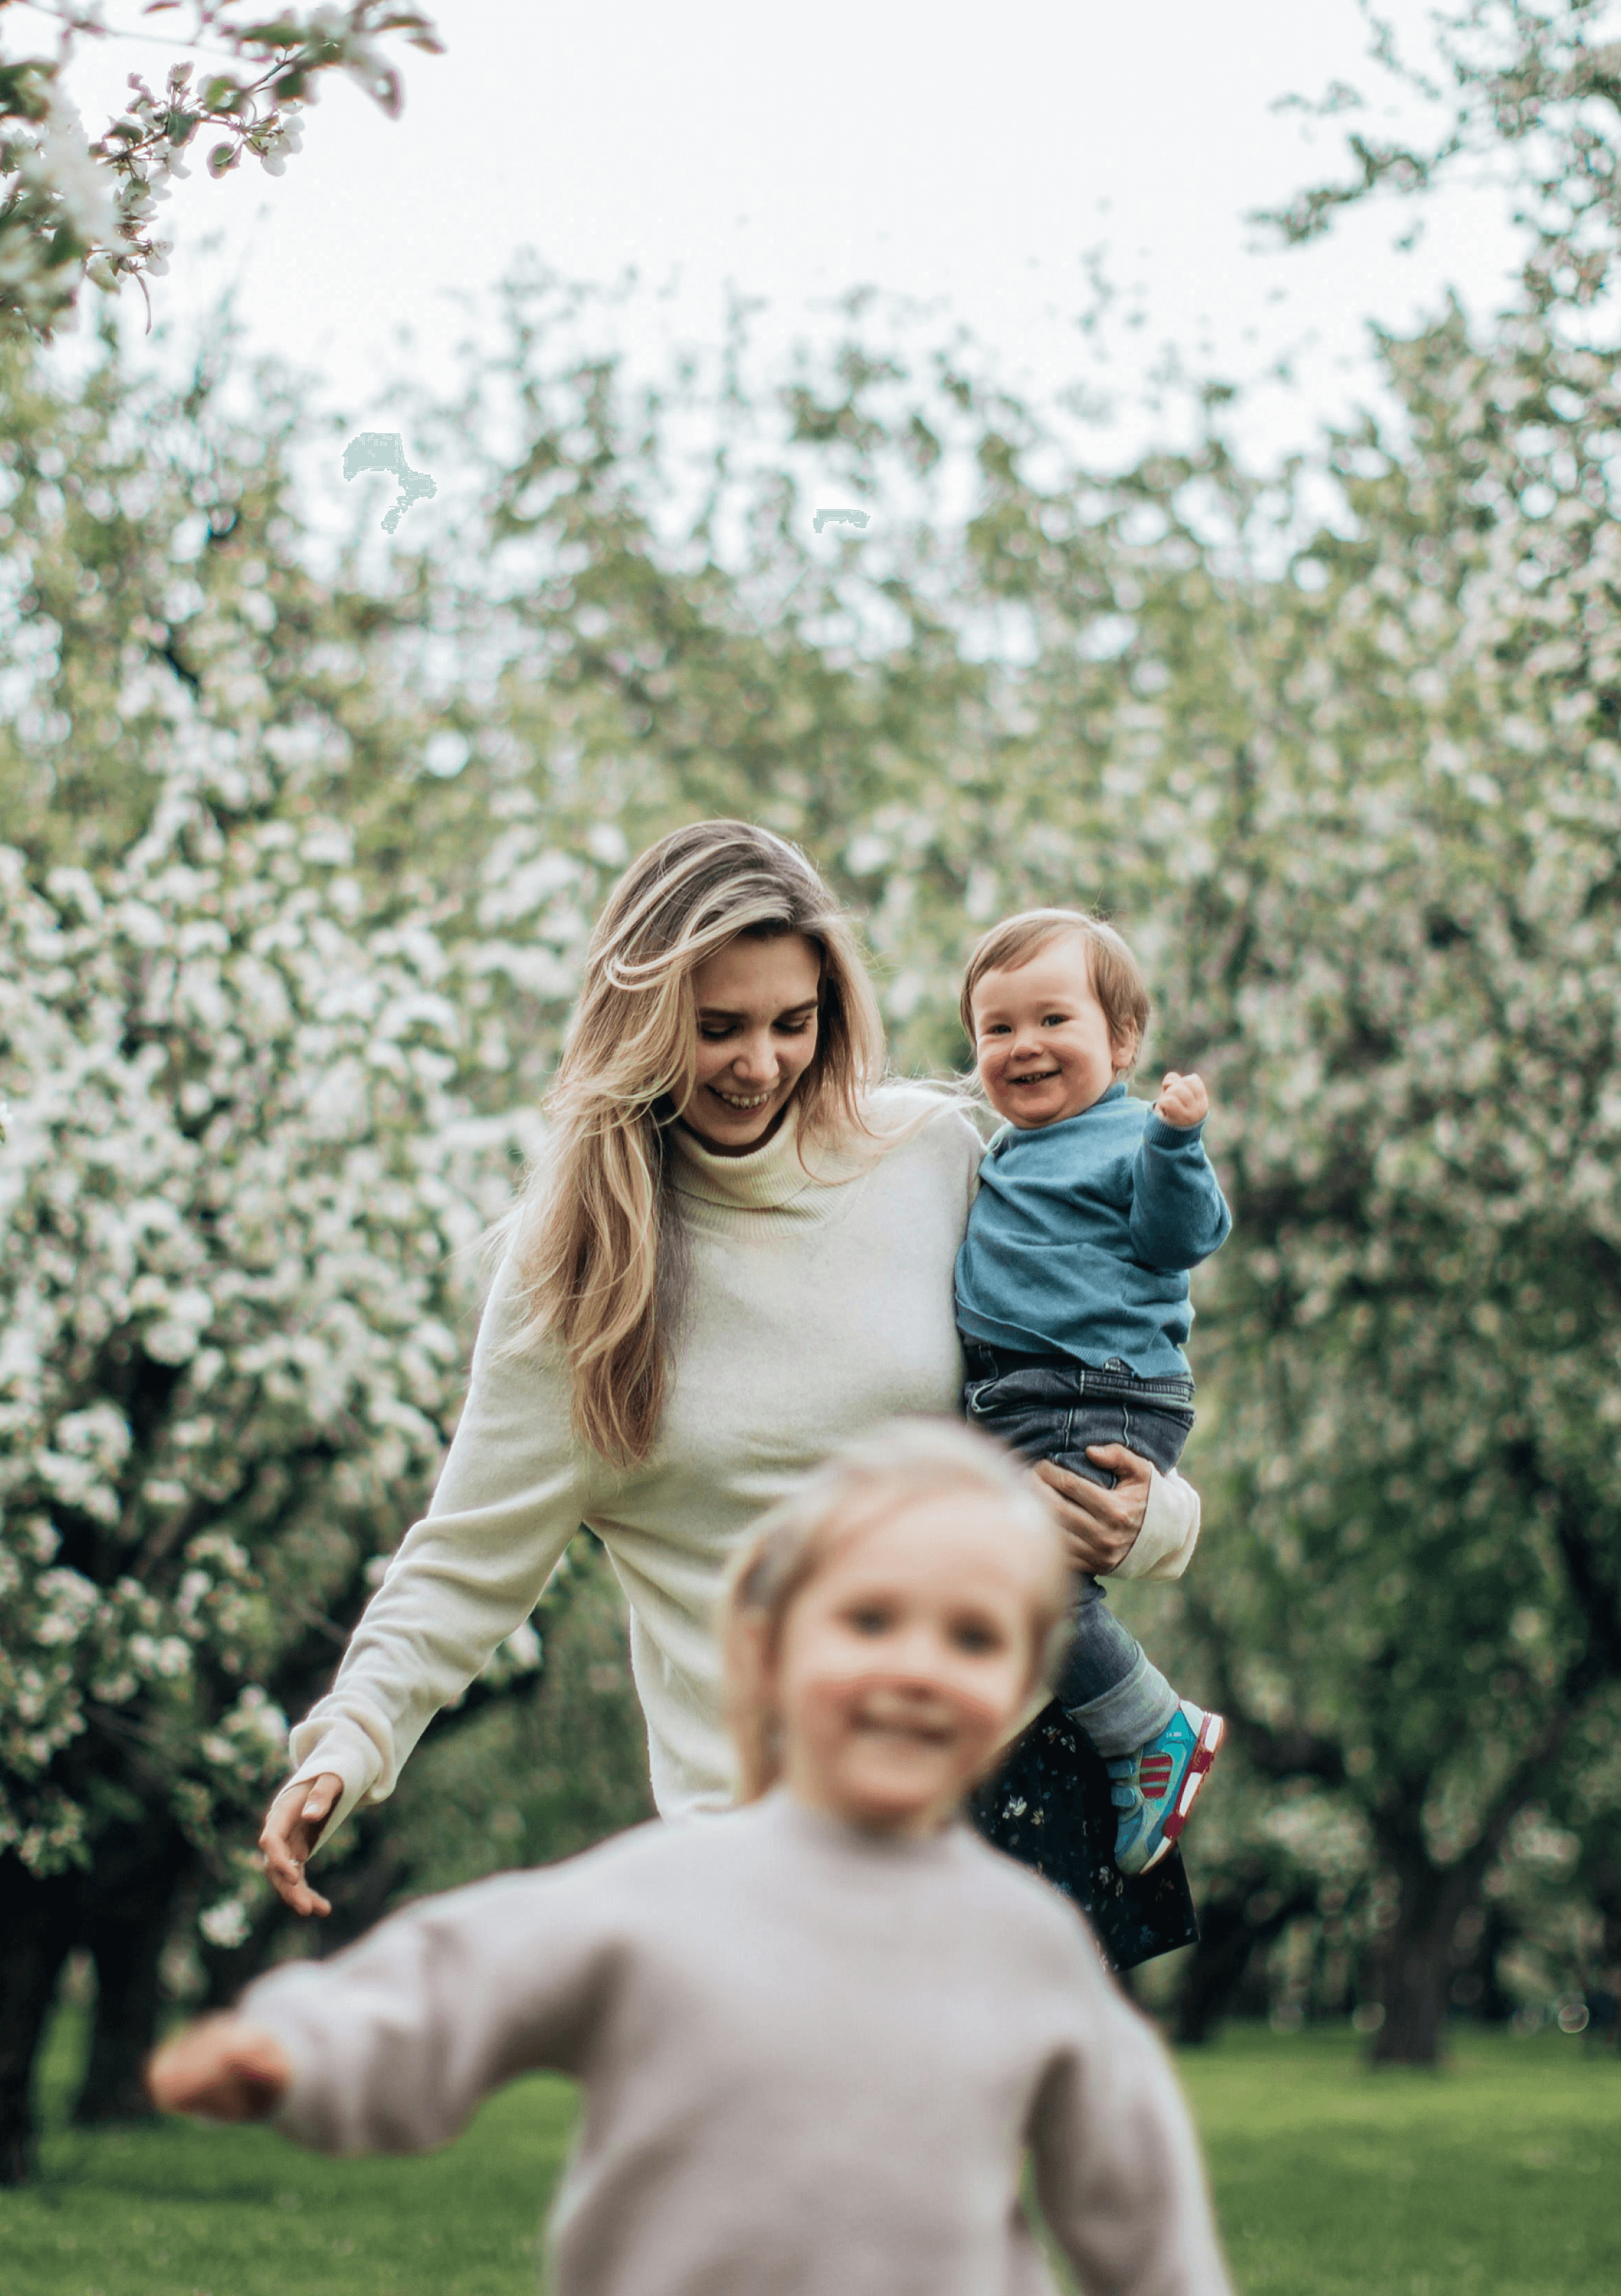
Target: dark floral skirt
point(1048, 1806)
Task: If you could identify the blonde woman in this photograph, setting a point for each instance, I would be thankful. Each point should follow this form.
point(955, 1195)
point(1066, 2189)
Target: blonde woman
point(736, 1254)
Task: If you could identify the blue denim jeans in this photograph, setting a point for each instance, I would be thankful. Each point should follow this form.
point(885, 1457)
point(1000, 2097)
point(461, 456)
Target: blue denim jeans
point(1051, 1407)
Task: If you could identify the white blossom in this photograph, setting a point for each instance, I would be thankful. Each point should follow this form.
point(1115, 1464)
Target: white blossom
point(285, 1280)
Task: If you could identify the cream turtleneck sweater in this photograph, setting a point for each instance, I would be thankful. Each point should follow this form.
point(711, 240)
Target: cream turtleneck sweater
point(817, 1304)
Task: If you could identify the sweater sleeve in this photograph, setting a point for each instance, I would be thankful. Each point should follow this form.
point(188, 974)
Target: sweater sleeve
point(1118, 2168)
point(512, 1493)
point(394, 2042)
point(1179, 1214)
point(1164, 1546)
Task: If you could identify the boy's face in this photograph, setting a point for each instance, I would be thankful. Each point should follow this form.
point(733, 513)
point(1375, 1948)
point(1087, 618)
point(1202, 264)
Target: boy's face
point(906, 1660)
point(1042, 1044)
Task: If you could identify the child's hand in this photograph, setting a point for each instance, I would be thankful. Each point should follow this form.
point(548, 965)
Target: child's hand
point(222, 2068)
point(1182, 1101)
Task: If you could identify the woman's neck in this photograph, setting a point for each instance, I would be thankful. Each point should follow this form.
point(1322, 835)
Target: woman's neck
point(768, 1174)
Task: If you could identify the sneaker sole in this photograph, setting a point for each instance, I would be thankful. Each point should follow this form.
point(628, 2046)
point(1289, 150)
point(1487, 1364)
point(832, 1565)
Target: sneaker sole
point(1213, 1730)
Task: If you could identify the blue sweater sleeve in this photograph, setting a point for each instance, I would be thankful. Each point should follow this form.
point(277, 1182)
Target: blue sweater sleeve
point(1179, 1214)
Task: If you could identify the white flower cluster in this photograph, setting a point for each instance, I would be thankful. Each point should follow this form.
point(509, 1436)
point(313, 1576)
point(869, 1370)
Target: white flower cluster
point(237, 1198)
point(71, 209)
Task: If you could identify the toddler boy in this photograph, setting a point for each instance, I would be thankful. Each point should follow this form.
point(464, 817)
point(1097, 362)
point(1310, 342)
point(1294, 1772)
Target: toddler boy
point(1072, 1297)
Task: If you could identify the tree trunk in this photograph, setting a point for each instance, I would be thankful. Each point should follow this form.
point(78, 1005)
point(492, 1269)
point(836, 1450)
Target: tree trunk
point(1415, 1969)
point(125, 1924)
point(1477, 1985)
point(36, 1931)
point(1232, 1927)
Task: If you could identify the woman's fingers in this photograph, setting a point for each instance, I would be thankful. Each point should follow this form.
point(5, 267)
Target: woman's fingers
point(286, 1874)
point(1100, 1526)
point(1095, 1544)
point(1132, 1477)
point(322, 1799)
point(291, 1830)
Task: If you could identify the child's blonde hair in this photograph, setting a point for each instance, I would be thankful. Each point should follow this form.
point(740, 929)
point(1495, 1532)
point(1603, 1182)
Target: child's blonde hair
point(904, 1460)
point(1117, 980)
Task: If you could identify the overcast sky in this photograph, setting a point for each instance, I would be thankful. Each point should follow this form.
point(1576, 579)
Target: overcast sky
point(961, 155)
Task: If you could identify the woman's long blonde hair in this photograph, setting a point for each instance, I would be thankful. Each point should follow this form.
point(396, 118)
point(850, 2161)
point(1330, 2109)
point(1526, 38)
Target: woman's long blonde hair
point(901, 1461)
point(593, 1223)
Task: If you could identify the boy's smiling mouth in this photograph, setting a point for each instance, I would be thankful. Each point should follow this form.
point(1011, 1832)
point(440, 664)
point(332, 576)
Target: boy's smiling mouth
point(1036, 1076)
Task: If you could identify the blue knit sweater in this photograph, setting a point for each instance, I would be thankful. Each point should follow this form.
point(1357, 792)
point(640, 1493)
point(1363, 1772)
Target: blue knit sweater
point(1082, 1234)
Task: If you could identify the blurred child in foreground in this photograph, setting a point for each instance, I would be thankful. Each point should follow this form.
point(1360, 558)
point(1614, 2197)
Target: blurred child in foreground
point(818, 2034)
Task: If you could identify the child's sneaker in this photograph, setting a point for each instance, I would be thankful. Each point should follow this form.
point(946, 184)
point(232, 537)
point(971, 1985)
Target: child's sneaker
point(1155, 1788)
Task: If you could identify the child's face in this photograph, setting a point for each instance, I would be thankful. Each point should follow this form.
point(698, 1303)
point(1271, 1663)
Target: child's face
point(905, 1661)
point(1042, 1044)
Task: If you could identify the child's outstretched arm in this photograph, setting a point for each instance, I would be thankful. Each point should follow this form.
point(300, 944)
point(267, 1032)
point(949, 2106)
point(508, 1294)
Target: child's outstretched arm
point(1118, 2168)
point(390, 2046)
point(1179, 1214)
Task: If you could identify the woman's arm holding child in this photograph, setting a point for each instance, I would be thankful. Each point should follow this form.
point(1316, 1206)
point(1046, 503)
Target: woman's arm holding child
point(1146, 1527)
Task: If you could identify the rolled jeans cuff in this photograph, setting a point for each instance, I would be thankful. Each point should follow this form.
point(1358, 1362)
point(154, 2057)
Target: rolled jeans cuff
point(1128, 1716)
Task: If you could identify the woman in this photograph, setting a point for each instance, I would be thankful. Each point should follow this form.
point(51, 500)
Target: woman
point(737, 1252)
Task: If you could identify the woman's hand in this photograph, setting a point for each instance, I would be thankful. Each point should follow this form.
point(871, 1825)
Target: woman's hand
point(221, 2066)
point(291, 1831)
point(1100, 1526)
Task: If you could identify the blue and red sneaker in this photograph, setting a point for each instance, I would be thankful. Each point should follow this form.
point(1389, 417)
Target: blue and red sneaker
point(1155, 1788)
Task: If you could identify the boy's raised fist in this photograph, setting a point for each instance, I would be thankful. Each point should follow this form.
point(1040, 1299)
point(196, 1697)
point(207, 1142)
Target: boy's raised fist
point(1183, 1100)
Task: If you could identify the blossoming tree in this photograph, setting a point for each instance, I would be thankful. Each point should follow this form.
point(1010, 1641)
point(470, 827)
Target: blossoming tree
point(236, 1205)
point(71, 206)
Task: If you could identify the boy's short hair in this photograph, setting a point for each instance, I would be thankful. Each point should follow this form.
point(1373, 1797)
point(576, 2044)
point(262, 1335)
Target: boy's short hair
point(1116, 982)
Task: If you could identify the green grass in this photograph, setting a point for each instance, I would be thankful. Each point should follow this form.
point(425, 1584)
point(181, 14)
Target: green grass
point(1493, 2178)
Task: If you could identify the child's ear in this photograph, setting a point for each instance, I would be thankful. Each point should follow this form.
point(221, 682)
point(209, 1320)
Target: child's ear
point(1125, 1047)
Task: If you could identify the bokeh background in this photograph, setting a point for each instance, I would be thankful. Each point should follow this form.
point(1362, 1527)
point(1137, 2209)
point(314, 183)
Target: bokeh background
point(1240, 559)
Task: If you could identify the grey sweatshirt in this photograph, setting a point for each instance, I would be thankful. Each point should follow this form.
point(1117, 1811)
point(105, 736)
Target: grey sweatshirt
point(813, 2061)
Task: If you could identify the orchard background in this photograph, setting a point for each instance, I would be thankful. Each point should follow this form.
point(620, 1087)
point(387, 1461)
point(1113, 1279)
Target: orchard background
point(299, 856)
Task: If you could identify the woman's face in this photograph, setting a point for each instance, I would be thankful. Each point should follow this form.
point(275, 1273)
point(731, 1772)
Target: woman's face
point(756, 1034)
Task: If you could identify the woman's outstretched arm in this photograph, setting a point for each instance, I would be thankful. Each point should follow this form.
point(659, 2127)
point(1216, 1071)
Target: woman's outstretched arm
point(514, 1489)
